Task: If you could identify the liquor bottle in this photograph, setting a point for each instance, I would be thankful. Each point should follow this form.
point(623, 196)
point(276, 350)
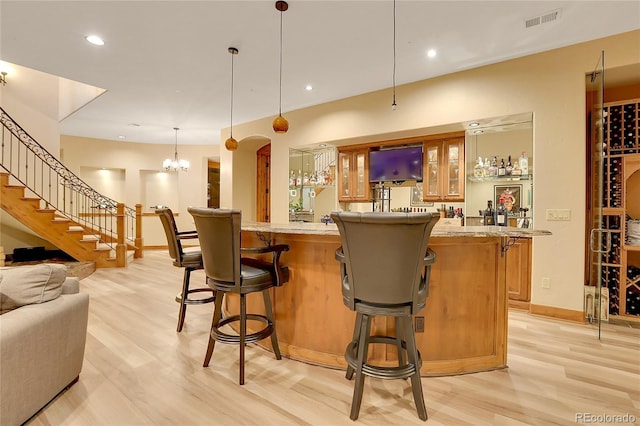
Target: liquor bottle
point(478, 169)
point(493, 169)
point(486, 167)
point(292, 178)
point(502, 170)
point(524, 163)
point(501, 215)
point(516, 169)
point(509, 168)
point(488, 219)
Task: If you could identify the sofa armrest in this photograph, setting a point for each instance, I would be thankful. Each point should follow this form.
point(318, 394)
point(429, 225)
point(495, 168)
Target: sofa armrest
point(41, 352)
point(71, 285)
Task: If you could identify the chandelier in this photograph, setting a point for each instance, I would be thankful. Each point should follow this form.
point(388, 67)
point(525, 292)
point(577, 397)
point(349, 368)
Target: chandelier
point(174, 165)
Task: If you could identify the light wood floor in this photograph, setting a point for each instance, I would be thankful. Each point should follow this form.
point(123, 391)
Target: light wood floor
point(139, 371)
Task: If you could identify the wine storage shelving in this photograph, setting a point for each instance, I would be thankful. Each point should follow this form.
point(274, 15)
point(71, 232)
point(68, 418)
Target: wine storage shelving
point(621, 264)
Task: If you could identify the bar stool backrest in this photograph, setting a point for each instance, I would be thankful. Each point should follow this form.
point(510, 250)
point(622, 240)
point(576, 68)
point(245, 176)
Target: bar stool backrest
point(384, 255)
point(171, 231)
point(219, 231)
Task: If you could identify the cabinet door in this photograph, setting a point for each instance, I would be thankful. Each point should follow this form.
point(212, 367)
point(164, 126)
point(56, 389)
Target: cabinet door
point(454, 162)
point(360, 174)
point(344, 173)
point(443, 177)
point(431, 179)
point(353, 169)
point(518, 271)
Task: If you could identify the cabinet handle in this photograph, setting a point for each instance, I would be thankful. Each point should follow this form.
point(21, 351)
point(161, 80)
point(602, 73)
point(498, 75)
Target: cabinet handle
point(592, 235)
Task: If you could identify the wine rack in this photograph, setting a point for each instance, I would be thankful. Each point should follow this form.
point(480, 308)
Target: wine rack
point(633, 290)
point(621, 264)
point(621, 128)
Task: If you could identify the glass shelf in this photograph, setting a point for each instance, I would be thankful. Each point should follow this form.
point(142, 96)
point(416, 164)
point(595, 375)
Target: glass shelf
point(507, 178)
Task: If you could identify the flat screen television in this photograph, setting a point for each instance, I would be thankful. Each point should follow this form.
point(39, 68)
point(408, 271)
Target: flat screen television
point(396, 164)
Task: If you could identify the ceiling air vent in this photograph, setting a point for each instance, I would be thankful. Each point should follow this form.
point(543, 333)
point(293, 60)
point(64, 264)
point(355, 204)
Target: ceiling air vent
point(542, 19)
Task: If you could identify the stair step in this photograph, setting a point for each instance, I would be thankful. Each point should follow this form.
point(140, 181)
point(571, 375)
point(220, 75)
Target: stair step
point(64, 232)
point(102, 247)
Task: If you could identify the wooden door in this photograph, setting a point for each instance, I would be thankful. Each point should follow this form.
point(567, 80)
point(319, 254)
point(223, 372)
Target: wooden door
point(518, 273)
point(263, 202)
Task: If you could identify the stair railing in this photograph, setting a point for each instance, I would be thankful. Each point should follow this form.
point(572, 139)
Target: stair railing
point(47, 178)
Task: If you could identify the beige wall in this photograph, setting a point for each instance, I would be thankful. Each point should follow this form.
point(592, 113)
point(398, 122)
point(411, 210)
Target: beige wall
point(40, 120)
point(134, 163)
point(551, 85)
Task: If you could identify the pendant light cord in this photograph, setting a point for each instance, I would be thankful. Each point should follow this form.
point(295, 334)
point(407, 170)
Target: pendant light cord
point(393, 105)
point(231, 126)
point(280, 103)
point(175, 153)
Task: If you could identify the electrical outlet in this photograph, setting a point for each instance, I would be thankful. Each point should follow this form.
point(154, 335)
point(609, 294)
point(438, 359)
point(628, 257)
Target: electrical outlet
point(546, 283)
point(419, 326)
point(558, 214)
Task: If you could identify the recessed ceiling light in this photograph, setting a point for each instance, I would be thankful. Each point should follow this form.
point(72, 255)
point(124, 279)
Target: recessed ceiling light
point(477, 132)
point(431, 53)
point(94, 39)
point(309, 87)
point(122, 137)
point(474, 124)
point(322, 145)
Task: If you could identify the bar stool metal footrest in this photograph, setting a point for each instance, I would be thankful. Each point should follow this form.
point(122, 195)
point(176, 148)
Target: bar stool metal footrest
point(223, 337)
point(377, 371)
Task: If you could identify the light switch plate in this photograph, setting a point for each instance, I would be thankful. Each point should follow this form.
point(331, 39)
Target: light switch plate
point(558, 214)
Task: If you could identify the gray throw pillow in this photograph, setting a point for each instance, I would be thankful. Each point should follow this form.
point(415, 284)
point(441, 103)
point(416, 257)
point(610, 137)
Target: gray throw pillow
point(25, 285)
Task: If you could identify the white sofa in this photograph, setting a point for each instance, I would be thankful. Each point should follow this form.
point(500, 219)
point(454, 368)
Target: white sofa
point(43, 328)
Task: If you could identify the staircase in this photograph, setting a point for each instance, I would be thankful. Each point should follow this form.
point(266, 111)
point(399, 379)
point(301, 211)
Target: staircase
point(42, 194)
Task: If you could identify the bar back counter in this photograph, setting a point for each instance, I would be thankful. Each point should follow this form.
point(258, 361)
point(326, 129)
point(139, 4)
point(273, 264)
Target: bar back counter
point(463, 328)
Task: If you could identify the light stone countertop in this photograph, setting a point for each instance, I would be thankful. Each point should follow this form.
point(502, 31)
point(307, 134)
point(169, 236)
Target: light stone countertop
point(438, 231)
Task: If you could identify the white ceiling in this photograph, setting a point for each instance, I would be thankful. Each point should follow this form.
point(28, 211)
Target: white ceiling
point(165, 64)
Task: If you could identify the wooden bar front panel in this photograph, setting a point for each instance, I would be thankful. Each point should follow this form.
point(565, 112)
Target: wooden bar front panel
point(465, 316)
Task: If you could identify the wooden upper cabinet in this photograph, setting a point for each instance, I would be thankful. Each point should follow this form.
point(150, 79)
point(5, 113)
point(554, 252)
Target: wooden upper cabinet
point(443, 177)
point(353, 175)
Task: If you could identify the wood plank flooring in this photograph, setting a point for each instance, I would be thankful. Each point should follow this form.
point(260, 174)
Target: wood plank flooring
point(139, 371)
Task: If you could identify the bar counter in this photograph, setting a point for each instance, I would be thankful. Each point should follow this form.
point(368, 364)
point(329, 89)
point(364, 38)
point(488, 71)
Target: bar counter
point(465, 319)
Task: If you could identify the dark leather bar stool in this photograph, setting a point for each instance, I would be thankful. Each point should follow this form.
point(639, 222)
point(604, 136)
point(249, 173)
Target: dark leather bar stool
point(229, 272)
point(385, 266)
point(190, 261)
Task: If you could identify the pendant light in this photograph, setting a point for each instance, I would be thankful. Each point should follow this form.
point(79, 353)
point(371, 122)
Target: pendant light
point(174, 165)
point(231, 144)
point(394, 106)
point(280, 124)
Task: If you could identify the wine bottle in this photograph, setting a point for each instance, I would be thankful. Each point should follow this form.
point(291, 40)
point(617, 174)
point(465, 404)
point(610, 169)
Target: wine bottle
point(502, 169)
point(501, 215)
point(488, 219)
point(509, 168)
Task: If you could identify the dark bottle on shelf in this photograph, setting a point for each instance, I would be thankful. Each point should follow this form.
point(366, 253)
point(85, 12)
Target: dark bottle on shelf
point(488, 218)
point(509, 168)
point(501, 215)
point(502, 169)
